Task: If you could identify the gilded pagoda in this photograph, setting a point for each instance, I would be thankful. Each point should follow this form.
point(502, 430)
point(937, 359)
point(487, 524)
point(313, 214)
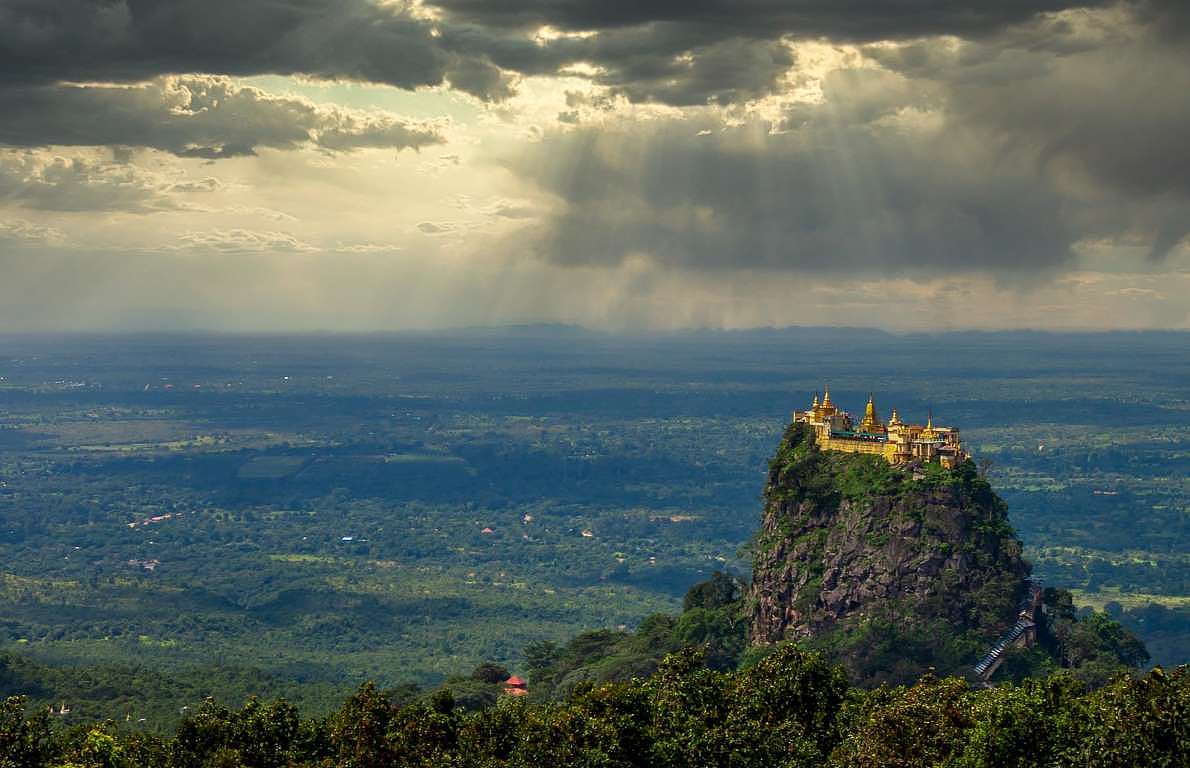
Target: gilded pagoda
point(896, 441)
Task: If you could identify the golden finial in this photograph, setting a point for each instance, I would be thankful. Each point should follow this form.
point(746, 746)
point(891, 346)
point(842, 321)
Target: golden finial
point(928, 433)
point(870, 423)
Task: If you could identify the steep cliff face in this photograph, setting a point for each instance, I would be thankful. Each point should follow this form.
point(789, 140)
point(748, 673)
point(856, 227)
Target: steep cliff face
point(849, 541)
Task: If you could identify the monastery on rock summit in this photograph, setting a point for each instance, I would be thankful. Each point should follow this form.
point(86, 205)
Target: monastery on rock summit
point(897, 442)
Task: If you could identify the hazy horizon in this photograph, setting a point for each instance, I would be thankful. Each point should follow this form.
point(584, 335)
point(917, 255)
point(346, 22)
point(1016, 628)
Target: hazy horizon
point(514, 329)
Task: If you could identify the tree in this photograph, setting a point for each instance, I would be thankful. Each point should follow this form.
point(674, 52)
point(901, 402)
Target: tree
point(359, 730)
point(716, 592)
point(688, 708)
point(1139, 721)
point(490, 673)
point(102, 748)
point(541, 654)
point(425, 733)
point(25, 742)
point(907, 727)
point(795, 687)
point(265, 734)
point(1009, 726)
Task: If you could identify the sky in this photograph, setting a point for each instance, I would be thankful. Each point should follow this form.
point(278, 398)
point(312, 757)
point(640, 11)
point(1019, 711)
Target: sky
point(360, 165)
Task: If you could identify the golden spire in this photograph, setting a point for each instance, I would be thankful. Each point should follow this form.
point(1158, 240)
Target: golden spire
point(928, 433)
point(895, 419)
point(870, 423)
point(826, 397)
point(815, 403)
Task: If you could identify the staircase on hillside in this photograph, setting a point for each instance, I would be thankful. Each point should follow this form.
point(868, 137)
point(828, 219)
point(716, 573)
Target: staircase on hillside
point(1023, 632)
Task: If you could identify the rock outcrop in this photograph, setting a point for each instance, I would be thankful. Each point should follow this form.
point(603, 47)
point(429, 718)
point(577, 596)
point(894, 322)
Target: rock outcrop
point(847, 539)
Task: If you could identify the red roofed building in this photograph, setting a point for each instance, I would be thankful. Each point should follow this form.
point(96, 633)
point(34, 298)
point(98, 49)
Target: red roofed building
point(515, 686)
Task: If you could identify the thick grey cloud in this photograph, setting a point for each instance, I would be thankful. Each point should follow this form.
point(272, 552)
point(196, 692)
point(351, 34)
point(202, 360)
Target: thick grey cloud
point(672, 52)
point(854, 199)
point(194, 116)
point(844, 20)
point(1106, 121)
point(665, 62)
point(130, 40)
point(1001, 156)
point(671, 64)
point(718, 51)
point(1171, 18)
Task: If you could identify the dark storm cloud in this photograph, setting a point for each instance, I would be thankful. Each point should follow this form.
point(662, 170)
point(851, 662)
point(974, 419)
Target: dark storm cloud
point(671, 52)
point(1108, 122)
point(665, 71)
point(129, 40)
point(46, 41)
point(717, 51)
point(826, 198)
point(1171, 18)
point(194, 116)
point(845, 20)
point(998, 157)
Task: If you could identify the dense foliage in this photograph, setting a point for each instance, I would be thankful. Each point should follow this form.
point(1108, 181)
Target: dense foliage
point(714, 619)
point(790, 709)
point(1088, 646)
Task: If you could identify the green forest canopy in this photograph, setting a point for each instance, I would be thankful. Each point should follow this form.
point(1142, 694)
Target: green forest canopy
point(791, 708)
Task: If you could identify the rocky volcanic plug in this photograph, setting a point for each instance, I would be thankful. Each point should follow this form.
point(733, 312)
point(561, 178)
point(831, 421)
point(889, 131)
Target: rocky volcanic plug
point(848, 540)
